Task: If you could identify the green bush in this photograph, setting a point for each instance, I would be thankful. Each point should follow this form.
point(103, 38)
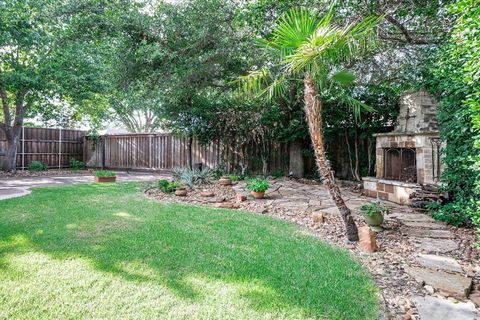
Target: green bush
point(105, 173)
point(257, 185)
point(37, 166)
point(454, 213)
point(77, 164)
point(167, 186)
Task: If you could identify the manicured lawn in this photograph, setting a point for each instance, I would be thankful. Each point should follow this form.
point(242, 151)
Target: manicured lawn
point(107, 252)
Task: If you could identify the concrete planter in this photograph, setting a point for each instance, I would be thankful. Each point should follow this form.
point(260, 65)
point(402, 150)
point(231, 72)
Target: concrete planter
point(105, 179)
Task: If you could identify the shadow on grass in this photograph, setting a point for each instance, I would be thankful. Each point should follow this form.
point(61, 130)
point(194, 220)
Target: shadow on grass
point(275, 265)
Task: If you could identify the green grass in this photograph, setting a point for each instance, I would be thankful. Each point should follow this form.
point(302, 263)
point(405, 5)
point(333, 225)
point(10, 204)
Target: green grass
point(104, 251)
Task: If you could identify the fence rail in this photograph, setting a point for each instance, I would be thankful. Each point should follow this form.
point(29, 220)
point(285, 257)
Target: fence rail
point(55, 147)
point(166, 151)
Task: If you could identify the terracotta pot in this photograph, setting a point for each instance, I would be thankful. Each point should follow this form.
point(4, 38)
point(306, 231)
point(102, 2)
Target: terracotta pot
point(105, 179)
point(258, 195)
point(374, 221)
point(225, 181)
point(181, 192)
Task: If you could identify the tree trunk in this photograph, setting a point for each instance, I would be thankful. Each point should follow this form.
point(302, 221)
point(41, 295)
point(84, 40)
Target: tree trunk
point(313, 111)
point(190, 152)
point(10, 159)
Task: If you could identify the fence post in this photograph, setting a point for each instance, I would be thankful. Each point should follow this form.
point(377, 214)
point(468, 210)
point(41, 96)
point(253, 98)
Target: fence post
point(23, 148)
point(103, 140)
point(150, 151)
point(60, 148)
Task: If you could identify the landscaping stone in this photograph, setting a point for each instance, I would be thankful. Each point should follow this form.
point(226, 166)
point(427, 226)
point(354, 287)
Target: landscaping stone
point(227, 205)
point(453, 284)
point(241, 197)
point(367, 242)
point(207, 194)
point(434, 245)
point(318, 217)
point(424, 225)
point(216, 200)
point(426, 233)
point(415, 217)
point(438, 262)
point(433, 308)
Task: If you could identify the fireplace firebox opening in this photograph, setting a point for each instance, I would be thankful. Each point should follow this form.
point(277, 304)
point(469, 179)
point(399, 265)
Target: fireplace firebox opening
point(400, 164)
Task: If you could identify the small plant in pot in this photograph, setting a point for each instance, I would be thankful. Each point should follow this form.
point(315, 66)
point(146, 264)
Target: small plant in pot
point(373, 213)
point(105, 176)
point(257, 187)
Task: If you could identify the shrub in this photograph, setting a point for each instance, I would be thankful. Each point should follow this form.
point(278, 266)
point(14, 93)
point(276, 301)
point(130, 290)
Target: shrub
point(105, 173)
point(77, 164)
point(191, 177)
point(454, 213)
point(37, 166)
point(257, 185)
point(167, 186)
point(371, 208)
point(233, 177)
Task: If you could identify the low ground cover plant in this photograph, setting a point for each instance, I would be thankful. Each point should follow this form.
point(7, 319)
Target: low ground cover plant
point(104, 173)
point(76, 164)
point(167, 186)
point(36, 166)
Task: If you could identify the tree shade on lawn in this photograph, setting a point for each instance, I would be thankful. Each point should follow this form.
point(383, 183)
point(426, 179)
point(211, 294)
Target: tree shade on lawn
point(105, 251)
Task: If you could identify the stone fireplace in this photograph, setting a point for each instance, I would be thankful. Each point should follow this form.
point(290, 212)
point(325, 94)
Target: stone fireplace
point(408, 157)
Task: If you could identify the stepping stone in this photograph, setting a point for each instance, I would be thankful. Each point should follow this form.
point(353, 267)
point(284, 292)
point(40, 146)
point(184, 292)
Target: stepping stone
point(432, 308)
point(424, 225)
point(434, 245)
point(438, 262)
point(426, 233)
point(417, 217)
point(454, 284)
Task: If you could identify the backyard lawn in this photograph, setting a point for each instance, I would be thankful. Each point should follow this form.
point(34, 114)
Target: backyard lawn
point(107, 252)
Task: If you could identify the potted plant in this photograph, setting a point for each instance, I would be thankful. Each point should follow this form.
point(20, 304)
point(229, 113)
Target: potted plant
point(105, 176)
point(373, 213)
point(225, 181)
point(257, 187)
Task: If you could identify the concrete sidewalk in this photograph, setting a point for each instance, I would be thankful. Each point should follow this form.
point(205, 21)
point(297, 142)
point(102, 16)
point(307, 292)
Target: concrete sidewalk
point(17, 187)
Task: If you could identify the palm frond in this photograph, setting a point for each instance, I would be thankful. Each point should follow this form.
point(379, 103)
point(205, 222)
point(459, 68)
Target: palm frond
point(355, 105)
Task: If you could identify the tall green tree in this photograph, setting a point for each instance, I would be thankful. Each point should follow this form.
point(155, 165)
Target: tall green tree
point(312, 49)
point(46, 61)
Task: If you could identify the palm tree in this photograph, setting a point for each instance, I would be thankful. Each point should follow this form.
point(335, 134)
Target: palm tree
point(311, 49)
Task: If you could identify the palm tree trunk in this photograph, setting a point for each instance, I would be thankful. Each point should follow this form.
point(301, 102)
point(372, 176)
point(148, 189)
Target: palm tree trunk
point(313, 111)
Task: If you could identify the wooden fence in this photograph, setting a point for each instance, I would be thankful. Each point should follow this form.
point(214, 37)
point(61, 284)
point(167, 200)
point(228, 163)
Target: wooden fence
point(165, 152)
point(55, 147)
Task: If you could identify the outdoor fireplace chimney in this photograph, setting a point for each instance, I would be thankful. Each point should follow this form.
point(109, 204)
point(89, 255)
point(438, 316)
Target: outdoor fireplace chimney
point(409, 156)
